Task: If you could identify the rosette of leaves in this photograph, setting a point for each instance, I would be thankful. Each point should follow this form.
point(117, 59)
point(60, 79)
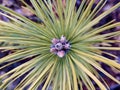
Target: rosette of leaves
point(68, 70)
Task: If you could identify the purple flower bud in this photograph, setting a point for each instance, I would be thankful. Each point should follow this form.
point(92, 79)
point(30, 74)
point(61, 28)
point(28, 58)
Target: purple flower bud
point(59, 46)
point(53, 50)
point(55, 41)
point(61, 53)
point(63, 39)
point(67, 46)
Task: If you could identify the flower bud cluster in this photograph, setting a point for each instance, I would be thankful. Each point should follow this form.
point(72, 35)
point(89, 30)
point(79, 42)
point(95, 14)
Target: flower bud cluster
point(60, 46)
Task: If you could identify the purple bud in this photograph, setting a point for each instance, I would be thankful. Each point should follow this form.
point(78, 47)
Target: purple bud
point(59, 46)
point(63, 39)
point(61, 53)
point(67, 46)
point(55, 41)
point(53, 50)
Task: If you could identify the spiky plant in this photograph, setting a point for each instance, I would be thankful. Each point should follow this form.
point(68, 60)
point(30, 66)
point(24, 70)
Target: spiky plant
point(62, 48)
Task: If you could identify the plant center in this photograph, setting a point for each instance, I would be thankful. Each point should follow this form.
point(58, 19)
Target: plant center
point(60, 46)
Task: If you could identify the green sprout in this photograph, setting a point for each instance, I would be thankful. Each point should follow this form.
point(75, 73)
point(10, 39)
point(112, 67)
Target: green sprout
point(64, 65)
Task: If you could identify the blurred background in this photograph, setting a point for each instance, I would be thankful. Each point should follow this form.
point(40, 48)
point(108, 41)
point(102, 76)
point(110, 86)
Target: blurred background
point(18, 7)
